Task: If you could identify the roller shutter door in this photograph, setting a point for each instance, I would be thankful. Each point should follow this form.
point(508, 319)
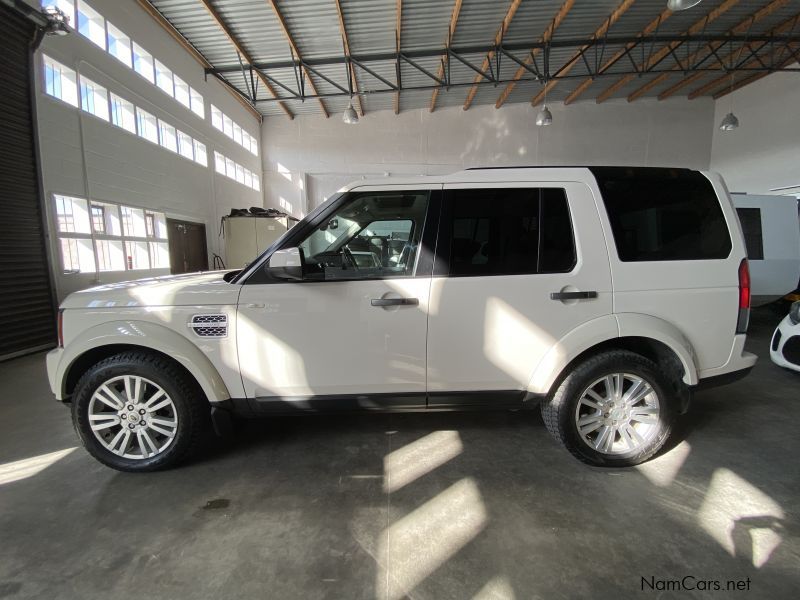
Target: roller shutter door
point(26, 300)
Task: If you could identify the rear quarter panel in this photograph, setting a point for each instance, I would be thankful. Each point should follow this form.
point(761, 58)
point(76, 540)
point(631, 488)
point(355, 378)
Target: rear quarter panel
point(700, 298)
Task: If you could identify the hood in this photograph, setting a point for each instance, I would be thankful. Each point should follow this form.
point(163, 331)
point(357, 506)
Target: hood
point(191, 289)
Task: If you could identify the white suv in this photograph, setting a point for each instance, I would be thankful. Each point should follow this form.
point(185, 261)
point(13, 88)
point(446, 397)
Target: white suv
point(605, 293)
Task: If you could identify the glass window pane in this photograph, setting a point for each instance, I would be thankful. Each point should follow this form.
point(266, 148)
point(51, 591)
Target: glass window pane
point(143, 63)
point(164, 78)
point(219, 163)
point(256, 183)
point(72, 215)
point(137, 255)
point(230, 168)
point(182, 91)
point(197, 105)
point(133, 222)
point(146, 125)
point(354, 244)
point(77, 255)
point(216, 117)
point(60, 81)
point(91, 24)
point(110, 256)
point(119, 44)
point(494, 231)
point(122, 113)
point(159, 255)
point(663, 214)
point(237, 134)
point(200, 153)
point(94, 98)
point(167, 136)
point(185, 146)
point(227, 125)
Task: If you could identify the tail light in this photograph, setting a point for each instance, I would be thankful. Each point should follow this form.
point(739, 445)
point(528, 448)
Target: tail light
point(60, 327)
point(744, 297)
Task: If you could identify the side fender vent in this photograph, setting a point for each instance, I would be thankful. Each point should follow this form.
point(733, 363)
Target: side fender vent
point(210, 326)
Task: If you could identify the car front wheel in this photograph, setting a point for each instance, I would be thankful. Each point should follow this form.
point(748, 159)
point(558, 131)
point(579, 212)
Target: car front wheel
point(612, 410)
point(138, 412)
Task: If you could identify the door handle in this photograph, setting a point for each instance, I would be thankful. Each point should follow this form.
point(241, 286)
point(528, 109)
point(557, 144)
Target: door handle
point(572, 295)
point(394, 302)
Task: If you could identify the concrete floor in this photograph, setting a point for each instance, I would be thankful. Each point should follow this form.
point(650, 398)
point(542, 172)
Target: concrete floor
point(387, 506)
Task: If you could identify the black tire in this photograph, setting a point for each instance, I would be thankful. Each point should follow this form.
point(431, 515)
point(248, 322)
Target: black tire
point(191, 409)
point(559, 410)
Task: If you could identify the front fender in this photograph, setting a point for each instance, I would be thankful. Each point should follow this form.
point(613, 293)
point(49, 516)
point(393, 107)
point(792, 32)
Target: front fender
point(146, 335)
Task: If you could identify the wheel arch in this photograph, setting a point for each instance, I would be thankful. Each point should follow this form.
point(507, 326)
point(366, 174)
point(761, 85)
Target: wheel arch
point(648, 336)
point(105, 340)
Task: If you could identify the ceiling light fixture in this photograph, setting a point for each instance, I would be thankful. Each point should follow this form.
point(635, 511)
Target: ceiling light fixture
point(544, 117)
point(730, 122)
point(350, 116)
point(676, 5)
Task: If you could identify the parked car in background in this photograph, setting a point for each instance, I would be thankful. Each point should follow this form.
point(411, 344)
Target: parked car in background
point(785, 346)
point(604, 294)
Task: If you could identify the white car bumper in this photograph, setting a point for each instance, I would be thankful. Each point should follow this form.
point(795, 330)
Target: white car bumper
point(781, 354)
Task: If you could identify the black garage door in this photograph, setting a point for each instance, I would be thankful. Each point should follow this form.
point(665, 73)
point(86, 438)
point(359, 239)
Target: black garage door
point(26, 299)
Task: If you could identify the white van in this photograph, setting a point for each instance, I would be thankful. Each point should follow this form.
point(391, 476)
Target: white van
point(605, 294)
point(771, 228)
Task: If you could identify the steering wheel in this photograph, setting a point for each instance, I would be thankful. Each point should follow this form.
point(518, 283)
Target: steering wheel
point(347, 256)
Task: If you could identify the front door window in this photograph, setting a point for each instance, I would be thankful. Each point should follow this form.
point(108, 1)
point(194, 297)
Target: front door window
point(373, 235)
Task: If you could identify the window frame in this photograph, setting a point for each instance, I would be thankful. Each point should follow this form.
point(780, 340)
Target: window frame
point(256, 273)
point(441, 266)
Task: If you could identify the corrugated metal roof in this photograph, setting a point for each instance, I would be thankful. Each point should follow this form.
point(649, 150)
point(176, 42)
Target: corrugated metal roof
point(371, 28)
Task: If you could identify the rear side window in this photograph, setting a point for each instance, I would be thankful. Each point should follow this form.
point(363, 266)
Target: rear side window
point(750, 218)
point(663, 214)
point(506, 232)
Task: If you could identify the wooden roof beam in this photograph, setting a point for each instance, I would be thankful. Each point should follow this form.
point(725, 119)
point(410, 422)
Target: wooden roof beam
point(546, 37)
point(752, 79)
point(193, 52)
point(787, 26)
point(296, 51)
point(343, 32)
point(658, 56)
point(741, 28)
point(599, 32)
point(512, 10)
point(450, 33)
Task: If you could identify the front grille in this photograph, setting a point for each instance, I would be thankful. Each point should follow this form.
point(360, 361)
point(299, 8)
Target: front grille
point(791, 350)
point(215, 325)
point(776, 340)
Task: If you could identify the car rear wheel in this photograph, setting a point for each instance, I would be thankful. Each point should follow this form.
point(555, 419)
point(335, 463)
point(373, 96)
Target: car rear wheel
point(612, 410)
point(138, 412)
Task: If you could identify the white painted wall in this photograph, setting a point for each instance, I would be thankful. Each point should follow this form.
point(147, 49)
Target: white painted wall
point(764, 152)
point(84, 156)
point(308, 158)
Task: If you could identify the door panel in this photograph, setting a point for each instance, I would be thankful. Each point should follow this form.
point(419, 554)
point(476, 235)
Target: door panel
point(354, 329)
point(490, 332)
point(326, 338)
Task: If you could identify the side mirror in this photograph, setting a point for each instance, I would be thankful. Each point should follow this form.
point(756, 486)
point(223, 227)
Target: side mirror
point(286, 264)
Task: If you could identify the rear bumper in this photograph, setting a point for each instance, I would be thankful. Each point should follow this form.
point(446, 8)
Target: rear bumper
point(739, 360)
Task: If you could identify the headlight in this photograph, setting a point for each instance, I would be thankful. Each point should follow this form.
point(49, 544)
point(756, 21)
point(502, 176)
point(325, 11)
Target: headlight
point(794, 313)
